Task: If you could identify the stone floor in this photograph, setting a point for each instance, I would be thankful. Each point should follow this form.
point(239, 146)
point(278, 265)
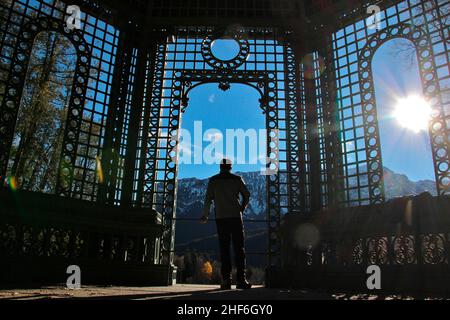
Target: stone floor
point(182, 292)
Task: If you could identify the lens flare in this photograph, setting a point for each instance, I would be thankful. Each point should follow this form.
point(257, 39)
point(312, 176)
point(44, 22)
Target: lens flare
point(313, 66)
point(99, 170)
point(12, 183)
point(306, 236)
point(413, 113)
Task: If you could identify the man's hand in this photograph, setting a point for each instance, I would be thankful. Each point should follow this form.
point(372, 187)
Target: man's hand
point(204, 220)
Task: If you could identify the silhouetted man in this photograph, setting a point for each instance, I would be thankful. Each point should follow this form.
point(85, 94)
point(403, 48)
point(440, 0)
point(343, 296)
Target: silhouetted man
point(225, 190)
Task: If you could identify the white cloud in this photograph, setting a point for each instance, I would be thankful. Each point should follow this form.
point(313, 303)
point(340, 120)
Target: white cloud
point(212, 98)
point(213, 137)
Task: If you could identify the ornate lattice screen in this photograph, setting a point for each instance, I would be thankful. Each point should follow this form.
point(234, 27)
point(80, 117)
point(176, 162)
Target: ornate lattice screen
point(96, 43)
point(422, 22)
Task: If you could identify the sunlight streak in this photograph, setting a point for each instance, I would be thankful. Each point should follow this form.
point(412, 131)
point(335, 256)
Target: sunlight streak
point(413, 113)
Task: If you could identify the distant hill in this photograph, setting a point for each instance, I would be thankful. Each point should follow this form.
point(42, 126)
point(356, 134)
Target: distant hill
point(399, 185)
point(202, 238)
point(191, 193)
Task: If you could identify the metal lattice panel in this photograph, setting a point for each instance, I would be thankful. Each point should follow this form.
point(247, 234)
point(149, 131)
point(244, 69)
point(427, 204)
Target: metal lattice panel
point(186, 80)
point(360, 169)
point(96, 43)
point(187, 55)
point(438, 128)
point(131, 86)
point(115, 149)
point(296, 137)
point(13, 94)
point(331, 151)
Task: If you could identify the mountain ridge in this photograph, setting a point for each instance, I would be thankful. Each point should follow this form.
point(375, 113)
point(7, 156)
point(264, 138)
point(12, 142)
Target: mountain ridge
point(190, 195)
point(192, 236)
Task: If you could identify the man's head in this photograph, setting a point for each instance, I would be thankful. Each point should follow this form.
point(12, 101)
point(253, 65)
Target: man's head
point(225, 165)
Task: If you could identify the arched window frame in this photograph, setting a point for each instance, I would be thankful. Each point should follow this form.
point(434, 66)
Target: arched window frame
point(438, 130)
point(13, 93)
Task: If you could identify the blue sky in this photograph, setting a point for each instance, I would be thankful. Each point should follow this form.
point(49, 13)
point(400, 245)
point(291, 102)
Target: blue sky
point(237, 108)
point(404, 151)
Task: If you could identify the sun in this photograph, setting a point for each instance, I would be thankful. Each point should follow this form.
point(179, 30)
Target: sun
point(413, 113)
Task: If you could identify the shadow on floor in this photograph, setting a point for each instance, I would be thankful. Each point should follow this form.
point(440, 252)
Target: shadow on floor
point(256, 294)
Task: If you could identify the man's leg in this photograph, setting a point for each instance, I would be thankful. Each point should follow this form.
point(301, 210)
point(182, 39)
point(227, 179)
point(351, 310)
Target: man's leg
point(224, 235)
point(239, 250)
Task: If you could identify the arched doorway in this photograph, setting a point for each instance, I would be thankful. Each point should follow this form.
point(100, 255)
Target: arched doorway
point(186, 81)
point(403, 117)
point(219, 124)
point(186, 60)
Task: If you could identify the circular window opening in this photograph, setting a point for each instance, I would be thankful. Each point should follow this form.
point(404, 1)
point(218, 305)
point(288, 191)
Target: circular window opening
point(225, 49)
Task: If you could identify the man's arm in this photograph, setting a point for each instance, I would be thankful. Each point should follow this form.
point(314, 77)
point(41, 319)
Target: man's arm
point(208, 200)
point(245, 195)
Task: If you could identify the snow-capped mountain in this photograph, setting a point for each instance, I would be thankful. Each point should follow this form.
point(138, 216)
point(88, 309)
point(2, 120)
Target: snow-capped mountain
point(192, 236)
point(398, 185)
point(191, 192)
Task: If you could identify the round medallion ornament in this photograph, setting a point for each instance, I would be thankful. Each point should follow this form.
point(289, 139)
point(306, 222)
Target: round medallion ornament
point(225, 64)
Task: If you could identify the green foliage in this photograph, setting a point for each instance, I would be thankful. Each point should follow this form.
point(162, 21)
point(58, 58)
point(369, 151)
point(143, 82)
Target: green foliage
point(36, 149)
point(39, 133)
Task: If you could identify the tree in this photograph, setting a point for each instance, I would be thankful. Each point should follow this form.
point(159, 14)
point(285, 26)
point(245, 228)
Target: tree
point(40, 125)
point(435, 20)
point(38, 137)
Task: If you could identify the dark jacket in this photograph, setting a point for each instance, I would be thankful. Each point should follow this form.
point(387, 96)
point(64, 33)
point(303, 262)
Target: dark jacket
point(224, 189)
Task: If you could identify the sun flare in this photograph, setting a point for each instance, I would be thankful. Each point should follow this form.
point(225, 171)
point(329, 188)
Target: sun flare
point(413, 113)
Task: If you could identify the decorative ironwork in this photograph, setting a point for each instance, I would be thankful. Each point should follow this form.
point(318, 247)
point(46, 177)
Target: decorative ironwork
point(147, 190)
point(128, 96)
point(14, 88)
point(184, 82)
point(296, 150)
point(354, 238)
point(55, 228)
point(438, 129)
point(180, 56)
point(213, 61)
point(377, 251)
point(434, 249)
point(362, 183)
point(358, 252)
point(404, 250)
